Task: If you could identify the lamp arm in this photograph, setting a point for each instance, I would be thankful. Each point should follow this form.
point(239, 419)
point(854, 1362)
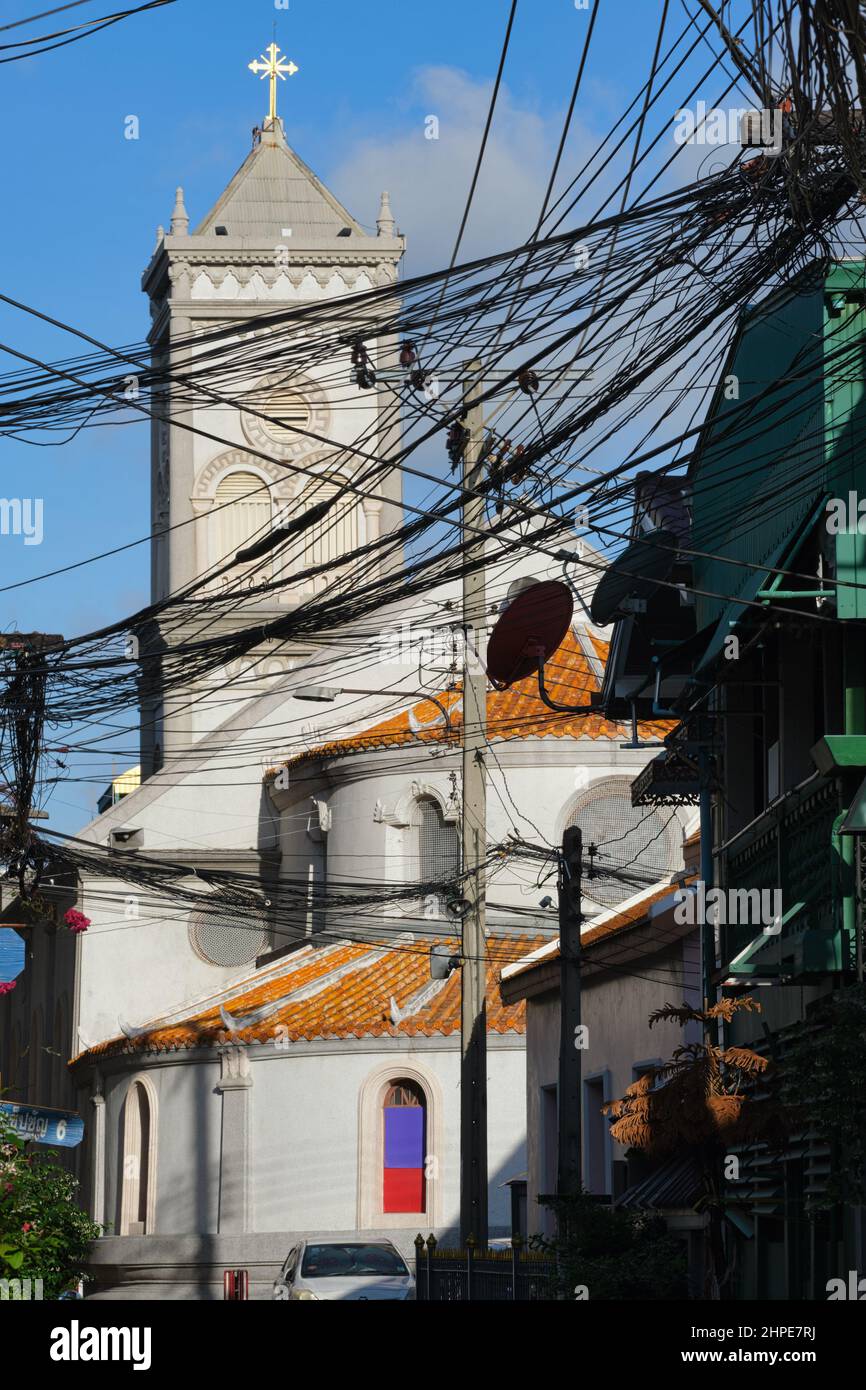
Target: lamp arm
point(551, 704)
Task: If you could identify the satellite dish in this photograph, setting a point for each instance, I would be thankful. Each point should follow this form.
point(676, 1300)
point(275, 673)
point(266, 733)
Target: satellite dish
point(634, 574)
point(530, 629)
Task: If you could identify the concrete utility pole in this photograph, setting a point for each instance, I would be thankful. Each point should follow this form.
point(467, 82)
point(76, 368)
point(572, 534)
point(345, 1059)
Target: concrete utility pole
point(569, 1097)
point(473, 998)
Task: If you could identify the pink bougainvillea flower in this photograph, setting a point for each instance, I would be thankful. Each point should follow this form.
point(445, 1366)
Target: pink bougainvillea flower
point(75, 920)
point(7, 986)
point(26, 1227)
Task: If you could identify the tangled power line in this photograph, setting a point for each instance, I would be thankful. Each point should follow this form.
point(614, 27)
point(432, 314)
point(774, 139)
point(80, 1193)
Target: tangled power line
point(591, 338)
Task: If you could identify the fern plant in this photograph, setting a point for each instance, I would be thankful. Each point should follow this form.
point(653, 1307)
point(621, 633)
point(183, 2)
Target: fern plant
point(698, 1102)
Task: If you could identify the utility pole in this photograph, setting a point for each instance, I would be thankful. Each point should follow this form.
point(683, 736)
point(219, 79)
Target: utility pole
point(570, 917)
point(473, 995)
point(708, 930)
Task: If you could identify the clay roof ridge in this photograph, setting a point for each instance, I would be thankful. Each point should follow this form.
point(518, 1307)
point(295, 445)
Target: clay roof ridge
point(233, 989)
point(416, 1002)
point(310, 989)
point(213, 1003)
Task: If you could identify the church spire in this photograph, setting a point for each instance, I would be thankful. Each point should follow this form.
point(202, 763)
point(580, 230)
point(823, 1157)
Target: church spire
point(179, 219)
point(385, 223)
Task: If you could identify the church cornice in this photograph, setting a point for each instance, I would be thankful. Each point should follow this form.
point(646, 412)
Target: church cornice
point(365, 1044)
point(210, 312)
point(180, 290)
point(225, 255)
point(536, 750)
point(339, 254)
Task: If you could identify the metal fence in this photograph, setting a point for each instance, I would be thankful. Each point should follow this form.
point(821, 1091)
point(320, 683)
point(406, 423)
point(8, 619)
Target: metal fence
point(475, 1275)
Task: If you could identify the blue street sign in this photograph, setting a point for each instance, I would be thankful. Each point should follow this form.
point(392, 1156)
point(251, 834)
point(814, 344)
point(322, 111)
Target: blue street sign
point(44, 1126)
point(12, 954)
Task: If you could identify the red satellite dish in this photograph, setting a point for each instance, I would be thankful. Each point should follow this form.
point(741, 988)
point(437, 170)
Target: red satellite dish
point(531, 628)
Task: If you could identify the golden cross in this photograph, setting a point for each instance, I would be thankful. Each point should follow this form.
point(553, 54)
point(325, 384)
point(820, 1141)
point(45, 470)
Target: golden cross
point(273, 65)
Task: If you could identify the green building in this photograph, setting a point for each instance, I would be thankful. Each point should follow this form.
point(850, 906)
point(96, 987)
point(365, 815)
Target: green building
point(745, 624)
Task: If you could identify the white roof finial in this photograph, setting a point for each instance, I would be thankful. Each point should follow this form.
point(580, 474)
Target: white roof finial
point(179, 219)
point(385, 224)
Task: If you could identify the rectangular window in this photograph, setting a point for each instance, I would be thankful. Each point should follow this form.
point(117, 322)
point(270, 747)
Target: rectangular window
point(549, 1139)
point(595, 1143)
point(403, 1184)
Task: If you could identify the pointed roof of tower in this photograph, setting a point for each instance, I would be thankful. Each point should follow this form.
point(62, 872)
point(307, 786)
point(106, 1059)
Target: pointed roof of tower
point(274, 190)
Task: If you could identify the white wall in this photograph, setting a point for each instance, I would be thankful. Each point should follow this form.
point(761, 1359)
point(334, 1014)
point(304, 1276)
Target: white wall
point(370, 797)
point(305, 1132)
point(615, 1009)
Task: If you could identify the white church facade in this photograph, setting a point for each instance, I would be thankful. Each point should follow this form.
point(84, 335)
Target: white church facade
point(236, 1080)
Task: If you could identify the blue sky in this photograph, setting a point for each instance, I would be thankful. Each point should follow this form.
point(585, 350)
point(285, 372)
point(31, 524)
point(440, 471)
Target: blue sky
point(83, 202)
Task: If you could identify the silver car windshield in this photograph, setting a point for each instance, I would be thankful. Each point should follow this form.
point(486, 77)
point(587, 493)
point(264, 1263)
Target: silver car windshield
point(349, 1261)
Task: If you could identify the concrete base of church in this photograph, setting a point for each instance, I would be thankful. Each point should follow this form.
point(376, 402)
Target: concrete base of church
point(191, 1267)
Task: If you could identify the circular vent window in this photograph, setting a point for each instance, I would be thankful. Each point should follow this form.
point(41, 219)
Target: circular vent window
point(633, 842)
point(291, 411)
point(296, 408)
point(222, 939)
point(515, 589)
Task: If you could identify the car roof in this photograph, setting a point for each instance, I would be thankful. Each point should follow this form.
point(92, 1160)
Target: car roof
point(349, 1240)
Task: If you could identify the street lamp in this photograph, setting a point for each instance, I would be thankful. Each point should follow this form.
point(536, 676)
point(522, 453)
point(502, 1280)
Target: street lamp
point(326, 694)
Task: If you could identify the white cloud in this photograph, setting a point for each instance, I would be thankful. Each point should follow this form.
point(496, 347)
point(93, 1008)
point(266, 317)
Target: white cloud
point(429, 180)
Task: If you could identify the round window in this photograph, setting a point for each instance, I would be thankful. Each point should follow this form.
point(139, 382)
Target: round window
point(290, 411)
point(220, 938)
point(296, 409)
point(515, 589)
point(633, 846)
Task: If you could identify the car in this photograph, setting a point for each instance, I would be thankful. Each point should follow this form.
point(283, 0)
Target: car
point(362, 1270)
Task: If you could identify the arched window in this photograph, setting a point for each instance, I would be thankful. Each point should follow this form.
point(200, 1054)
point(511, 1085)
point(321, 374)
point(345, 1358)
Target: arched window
point(438, 844)
point(617, 834)
point(326, 540)
point(137, 1160)
point(242, 513)
point(405, 1141)
point(380, 1204)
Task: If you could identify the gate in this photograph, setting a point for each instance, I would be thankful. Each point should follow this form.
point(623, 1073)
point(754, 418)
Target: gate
point(477, 1275)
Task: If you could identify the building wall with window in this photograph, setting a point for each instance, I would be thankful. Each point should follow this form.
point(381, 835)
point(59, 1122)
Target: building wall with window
point(633, 966)
point(247, 1148)
point(403, 823)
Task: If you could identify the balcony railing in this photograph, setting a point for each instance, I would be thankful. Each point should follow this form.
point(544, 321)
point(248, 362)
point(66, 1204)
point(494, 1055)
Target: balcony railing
point(790, 848)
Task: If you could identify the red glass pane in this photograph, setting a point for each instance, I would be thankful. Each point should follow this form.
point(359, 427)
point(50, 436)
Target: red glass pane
point(403, 1189)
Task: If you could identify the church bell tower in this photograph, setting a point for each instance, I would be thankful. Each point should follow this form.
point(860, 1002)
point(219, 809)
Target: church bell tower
point(221, 475)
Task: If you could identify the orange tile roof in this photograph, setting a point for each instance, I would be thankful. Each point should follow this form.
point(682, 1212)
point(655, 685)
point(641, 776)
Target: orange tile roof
point(627, 917)
point(617, 921)
point(571, 675)
point(337, 991)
